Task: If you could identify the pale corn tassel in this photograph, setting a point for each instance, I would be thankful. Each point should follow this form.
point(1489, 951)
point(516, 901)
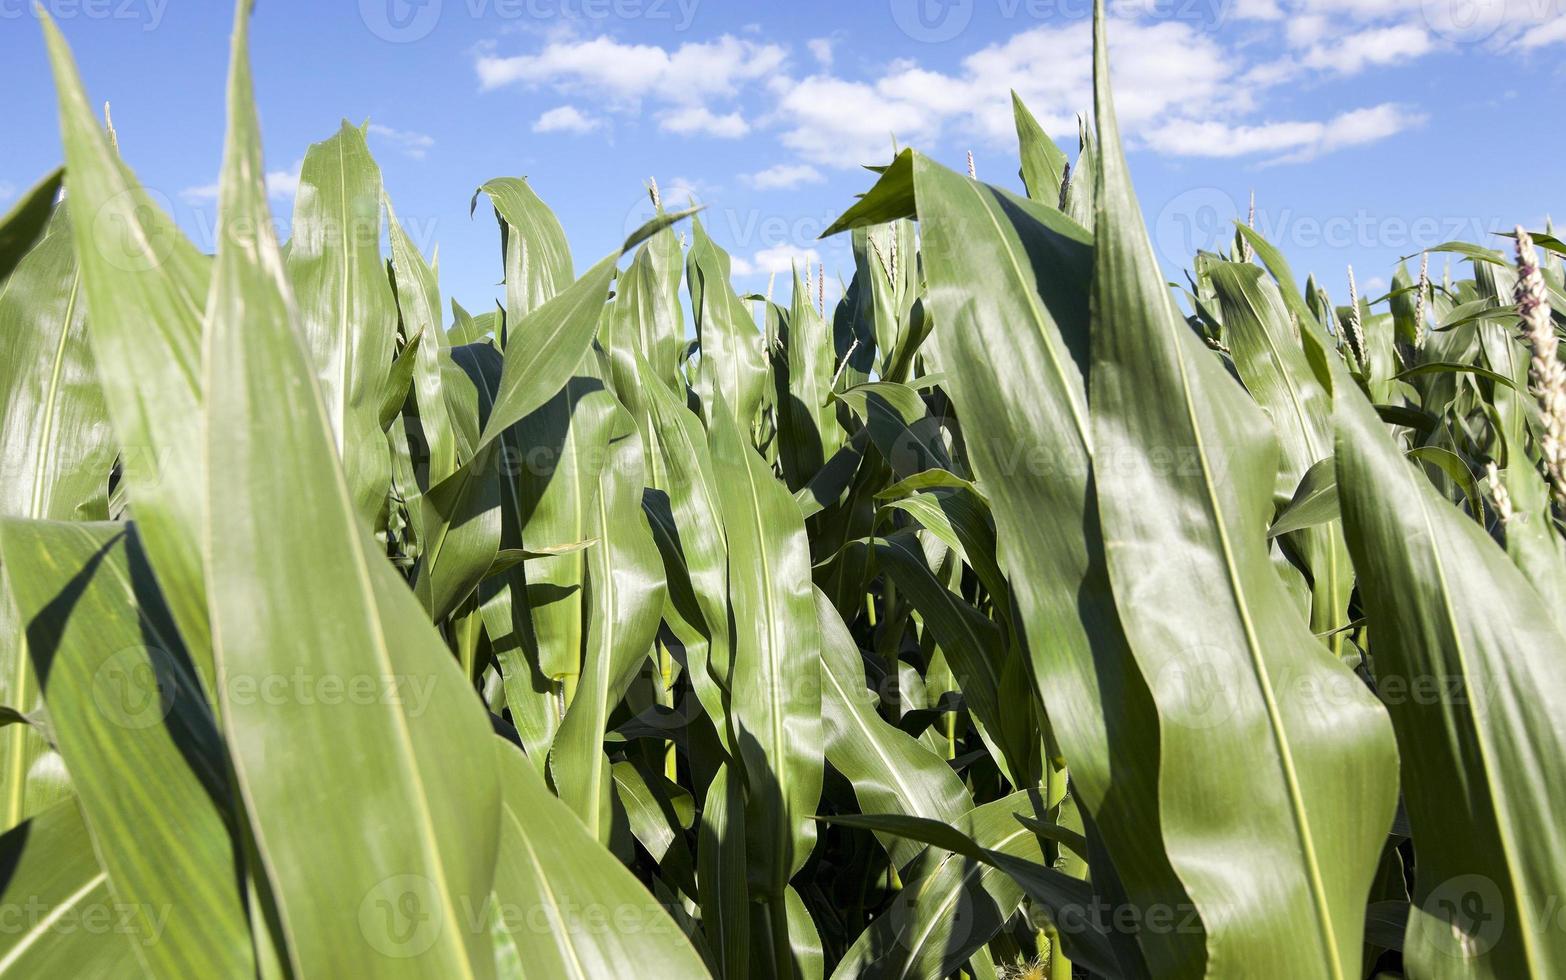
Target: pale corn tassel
point(843, 366)
point(808, 285)
point(1546, 374)
point(1356, 327)
point(1419, 302)
point(821, 288)
point(972, 173)
point(1498, 493)
point(108, 124)
point(652, 191)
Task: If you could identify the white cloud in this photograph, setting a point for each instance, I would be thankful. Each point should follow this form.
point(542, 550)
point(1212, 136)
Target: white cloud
point(696, 119)
point(1497, 24)
point(1291, 142)
point(415, 145)
point(1553, 32)
point(693, 73)
point(281, 185)
point(1179, 88)
point(1383, 46)
point(784, 176)
point(783, 259)
point(565, 119)
point(1159, 67)
point(1210, 138)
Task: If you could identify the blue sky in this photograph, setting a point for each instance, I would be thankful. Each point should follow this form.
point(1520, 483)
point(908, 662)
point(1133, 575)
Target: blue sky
point(1368, 129)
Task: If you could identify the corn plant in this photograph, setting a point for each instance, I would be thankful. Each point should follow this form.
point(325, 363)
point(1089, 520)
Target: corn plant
point(1018, 616)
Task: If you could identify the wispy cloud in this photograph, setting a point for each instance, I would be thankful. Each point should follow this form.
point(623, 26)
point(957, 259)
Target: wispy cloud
point(784, 176)
point(565, 119)
point(698, 119)
point(281, 185)
point(415, 145)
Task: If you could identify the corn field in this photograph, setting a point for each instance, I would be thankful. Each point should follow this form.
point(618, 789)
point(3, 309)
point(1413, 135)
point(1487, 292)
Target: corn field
point(1022, 615)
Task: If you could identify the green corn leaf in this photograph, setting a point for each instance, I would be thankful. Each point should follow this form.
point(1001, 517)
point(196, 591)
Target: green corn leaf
point(1466, 658)
point(532, 245)
point(1269, 359)
point(25, 222)
point(57, 447)
point(733, 349)
point(891, 772)
point(776, 688)
point(372, 850)
point(345, 304)
point(623, 600)
point(554, 885)
point(125, 708)
point(1028, 441)
point(52, 883)
point(1043, 163)
point(1230, 660)
point(145, 286)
